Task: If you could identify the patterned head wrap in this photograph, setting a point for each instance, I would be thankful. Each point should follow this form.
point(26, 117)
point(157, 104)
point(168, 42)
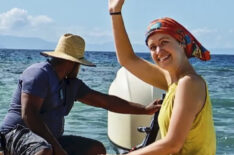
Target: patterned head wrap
point(169, 26)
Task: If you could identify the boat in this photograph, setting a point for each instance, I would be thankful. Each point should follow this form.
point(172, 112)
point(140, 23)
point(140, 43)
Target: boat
point(122, 128)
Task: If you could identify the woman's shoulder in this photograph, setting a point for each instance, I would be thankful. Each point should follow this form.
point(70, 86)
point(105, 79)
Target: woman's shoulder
point(193, 78)
point(192, 88)
point(192, 81)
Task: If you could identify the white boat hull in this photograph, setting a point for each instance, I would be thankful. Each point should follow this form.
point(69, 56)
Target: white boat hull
point(122, 128)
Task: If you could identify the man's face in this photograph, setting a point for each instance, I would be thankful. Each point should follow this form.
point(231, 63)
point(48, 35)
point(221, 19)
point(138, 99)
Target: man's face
point(74, 71)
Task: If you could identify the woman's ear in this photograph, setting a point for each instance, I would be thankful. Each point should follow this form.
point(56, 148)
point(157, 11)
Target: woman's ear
point(182, 45)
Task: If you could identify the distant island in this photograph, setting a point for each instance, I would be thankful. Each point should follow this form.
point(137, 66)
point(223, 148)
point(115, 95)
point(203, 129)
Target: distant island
point(14, 42)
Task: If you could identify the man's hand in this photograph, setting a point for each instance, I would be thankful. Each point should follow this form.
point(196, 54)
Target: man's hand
point(153, 107)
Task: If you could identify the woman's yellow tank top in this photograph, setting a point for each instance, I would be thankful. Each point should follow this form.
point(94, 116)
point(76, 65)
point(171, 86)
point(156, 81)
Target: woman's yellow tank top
point(201, 139)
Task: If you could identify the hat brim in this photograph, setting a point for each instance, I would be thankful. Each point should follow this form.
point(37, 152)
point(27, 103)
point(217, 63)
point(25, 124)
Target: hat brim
point(82, 61)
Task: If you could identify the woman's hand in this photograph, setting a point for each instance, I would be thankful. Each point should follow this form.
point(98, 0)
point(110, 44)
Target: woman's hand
point(115, 5)
point(153, 107)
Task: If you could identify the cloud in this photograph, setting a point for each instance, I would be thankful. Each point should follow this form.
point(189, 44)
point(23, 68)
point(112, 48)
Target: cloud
point(231, 30)
point(214, 38)
point(18, 19)
point(92, 35)
point(36, 21)
point(19, 22)
point(98, 33)
point(203, 31)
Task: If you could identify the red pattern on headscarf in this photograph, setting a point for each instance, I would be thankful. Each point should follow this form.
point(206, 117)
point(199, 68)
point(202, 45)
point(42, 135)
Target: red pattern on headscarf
point(193, 47)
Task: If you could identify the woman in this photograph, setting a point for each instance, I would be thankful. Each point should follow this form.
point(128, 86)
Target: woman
point(185, 118)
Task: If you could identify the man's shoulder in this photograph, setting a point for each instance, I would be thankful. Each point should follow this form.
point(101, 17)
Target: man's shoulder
point(37, 68)
point(37, 79)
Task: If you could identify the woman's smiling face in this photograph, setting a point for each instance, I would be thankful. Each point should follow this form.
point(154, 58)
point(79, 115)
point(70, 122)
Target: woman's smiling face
point(165, 50)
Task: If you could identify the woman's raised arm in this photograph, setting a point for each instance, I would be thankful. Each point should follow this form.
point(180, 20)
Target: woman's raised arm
point(141, 68)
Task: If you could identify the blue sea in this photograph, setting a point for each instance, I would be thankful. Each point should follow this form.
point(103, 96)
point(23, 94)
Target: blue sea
point(92, 122)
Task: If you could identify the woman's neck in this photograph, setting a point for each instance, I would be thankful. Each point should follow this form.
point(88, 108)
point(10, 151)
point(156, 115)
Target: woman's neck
point(181, 71)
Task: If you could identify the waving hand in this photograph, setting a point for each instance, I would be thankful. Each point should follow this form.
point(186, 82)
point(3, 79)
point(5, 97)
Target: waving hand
point(115, 5)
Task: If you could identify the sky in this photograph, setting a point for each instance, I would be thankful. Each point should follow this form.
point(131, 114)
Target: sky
point(211, 21)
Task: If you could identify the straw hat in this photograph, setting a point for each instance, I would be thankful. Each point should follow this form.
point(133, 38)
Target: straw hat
point(70, 47)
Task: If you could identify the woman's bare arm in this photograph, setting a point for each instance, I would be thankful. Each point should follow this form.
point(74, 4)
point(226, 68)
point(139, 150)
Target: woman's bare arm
point(143, 69)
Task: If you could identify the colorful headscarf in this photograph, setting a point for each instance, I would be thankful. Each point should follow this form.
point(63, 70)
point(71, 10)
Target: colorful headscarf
point(169, 26)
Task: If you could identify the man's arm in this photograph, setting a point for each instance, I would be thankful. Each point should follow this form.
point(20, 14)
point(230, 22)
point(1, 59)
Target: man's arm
point(30, 114)
point(116, 104)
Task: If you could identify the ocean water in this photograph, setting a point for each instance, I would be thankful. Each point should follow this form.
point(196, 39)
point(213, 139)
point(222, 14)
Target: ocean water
point(92, 122)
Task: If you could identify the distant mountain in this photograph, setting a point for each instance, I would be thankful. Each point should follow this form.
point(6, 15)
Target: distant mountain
point(226, 51)
point(13, 42)
point(109, 46)
point(100, 47)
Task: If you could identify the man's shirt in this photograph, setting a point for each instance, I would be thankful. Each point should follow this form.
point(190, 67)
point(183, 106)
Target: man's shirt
point(42, 81)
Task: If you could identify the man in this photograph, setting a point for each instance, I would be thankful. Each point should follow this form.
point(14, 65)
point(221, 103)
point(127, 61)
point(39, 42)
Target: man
point(45, 94)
